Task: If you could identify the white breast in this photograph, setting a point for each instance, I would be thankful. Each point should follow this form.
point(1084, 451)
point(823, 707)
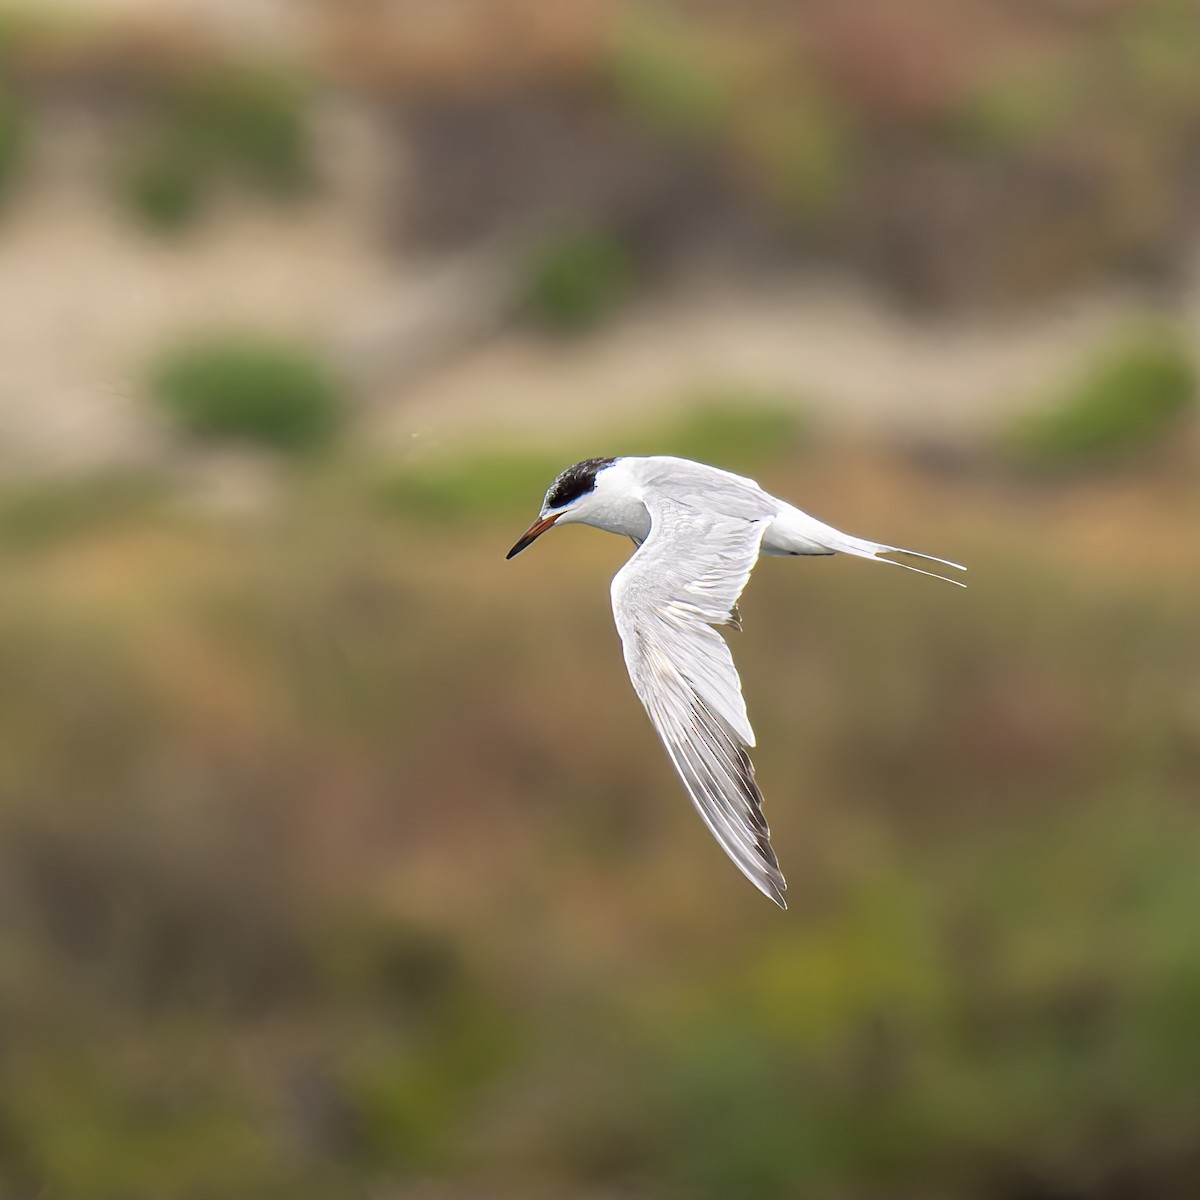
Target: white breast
point(625, 515)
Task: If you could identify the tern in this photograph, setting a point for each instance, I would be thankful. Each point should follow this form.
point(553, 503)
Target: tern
point(698, 531)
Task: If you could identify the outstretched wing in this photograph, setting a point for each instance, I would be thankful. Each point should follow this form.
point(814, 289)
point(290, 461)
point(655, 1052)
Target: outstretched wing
point(684, 579)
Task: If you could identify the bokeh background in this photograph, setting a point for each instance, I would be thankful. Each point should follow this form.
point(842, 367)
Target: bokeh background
point(337, 857)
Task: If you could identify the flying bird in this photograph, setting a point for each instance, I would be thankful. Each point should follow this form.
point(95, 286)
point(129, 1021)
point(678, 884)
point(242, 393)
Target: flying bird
point(698, 531)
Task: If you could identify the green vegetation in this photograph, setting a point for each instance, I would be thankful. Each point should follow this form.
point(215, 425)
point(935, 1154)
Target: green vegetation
point(253, 121)
point(14, 136)
point(35, 516)
point(236, 388)
point(1016, 110)
point(732, 427)
point(736, 427)
point(574, 279)
point(762, 108)
point(1070, 152)
point(245, 125)
point(663, 78)
point(906, 1051)
point(808, 155)
point(470, 486)
point(1135, 395)
point(1156, 56)
point(163, 181)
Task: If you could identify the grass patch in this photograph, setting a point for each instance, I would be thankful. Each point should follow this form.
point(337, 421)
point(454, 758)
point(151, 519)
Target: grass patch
point(1156, 49)
point(1015, 111)
point(471, 486)
point(573, 280)
point(812, 161)
point(662, 79)
point(730, 428)
point(14, 138)
point(241, 389)
point(1132, 396)
point(44, 515)
point(737, 428)
point(804, 148)
point(253, 122)
point(163, 183)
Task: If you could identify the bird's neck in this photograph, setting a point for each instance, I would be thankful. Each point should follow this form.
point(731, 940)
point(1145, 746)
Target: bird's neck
point(623, 514)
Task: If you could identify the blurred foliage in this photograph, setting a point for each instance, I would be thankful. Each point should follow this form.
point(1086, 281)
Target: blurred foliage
point(163, 181)
point(259, 124)
point(805, 149)
point(14, 137)
point(470, 486)
point(236, 388)
point(663, 77)
point(1014, 111)
point(736, 427)
point(574, 279)
point(951, 163)
point(303, 894)
point(249, 125)
point(1155, 55)
point(909, 1037)
point(750, 97)
point(34, 516)
point(1137, 70)
point(1135, 395)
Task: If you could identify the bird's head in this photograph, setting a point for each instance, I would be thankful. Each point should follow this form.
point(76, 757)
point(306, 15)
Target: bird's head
point(571, 498)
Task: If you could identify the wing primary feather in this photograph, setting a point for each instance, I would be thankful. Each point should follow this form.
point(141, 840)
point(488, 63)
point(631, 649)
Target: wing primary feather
point(723, 741)
point(740, 828)
point(685, 578)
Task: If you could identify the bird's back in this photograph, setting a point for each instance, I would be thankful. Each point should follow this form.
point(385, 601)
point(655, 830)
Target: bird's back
point(709, 489)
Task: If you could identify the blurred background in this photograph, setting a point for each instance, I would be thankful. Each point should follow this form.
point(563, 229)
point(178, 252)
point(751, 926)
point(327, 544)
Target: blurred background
point(337, 857)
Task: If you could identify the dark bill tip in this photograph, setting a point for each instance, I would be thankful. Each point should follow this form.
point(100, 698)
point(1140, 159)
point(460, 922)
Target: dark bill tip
point(531, 535)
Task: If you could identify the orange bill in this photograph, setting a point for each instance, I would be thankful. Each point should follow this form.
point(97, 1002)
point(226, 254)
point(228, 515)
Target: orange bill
point(534, 532)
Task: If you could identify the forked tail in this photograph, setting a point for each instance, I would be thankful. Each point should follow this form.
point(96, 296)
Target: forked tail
point(881, 551)
point(874, 550)
point(795, 532)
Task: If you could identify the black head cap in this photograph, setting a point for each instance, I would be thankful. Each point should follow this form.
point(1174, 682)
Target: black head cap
point(575, 481)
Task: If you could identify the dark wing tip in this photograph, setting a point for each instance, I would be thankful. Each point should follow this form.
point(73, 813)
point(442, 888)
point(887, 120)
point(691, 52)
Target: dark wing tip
point(761, 867)
point(770, 880)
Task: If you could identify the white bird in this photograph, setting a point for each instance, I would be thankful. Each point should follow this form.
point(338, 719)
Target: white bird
point(699, 531)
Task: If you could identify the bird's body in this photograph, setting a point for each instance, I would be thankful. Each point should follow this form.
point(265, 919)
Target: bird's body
point(699, 532)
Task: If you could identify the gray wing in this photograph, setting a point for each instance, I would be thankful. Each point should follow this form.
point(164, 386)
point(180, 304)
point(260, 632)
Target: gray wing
point(686, 578)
